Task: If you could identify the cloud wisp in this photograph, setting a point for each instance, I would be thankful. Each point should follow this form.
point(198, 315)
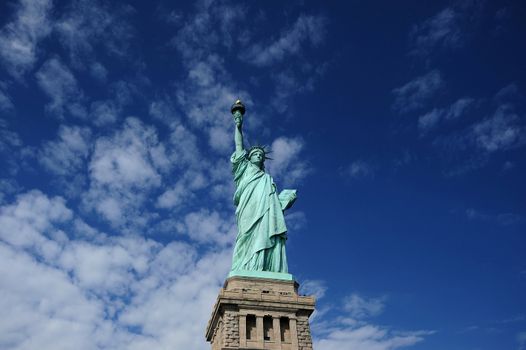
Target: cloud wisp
point(446, 30)
point(415, 94)
point(20, 37)
point(352, 328)
point(432, 119)
point(306, 30)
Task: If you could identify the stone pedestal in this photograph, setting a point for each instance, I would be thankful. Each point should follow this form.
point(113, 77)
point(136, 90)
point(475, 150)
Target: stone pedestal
point(259, 313)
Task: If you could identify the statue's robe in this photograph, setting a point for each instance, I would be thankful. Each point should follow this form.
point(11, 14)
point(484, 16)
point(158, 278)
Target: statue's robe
point(260, 241)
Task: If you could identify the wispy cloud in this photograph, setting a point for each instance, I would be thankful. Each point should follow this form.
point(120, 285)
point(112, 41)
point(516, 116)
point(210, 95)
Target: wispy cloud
point(306, 30)
point(183, 191)
point(432, 119)
point(359, 169)
point(369, 337)
point(20, 37)
point(352, 329)
point(125, 167)
point(360, 307)
point(287, 164)
point(89, 24)
point(416, 93)
point(480, 134)
point(11, 149)
point(440, 30)
point(288, 83)
point(8, 138)
point(68, 153)
point(6, 104)
point(504, 219)
point(59, 83)
point(104, 112)
point(208, 80)
point(208, 227)
point(503, 130)
point(447, 29)
point(318, 288)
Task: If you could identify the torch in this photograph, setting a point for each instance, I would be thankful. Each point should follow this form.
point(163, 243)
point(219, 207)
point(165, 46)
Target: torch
point(238, 110)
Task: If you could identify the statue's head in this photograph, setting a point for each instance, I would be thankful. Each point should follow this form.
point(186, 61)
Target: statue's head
point(257, 156)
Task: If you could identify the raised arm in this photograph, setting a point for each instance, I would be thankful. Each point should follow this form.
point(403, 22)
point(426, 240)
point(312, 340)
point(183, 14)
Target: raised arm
point(238, 133)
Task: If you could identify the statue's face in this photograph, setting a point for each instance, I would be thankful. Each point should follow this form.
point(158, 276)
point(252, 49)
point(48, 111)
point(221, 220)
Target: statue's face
point(257, 158)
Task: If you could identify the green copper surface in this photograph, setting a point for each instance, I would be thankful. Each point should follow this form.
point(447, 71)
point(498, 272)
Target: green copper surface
point(262, 232)
point(262, 274)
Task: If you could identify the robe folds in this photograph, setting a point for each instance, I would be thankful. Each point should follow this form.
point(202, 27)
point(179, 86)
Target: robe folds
point(261, 235)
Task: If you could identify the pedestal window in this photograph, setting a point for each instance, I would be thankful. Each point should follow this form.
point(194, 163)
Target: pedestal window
point(268, 328)
point(251, 327)
point(284, 325)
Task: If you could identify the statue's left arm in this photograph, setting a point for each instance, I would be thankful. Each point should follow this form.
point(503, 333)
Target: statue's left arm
point(287, 198)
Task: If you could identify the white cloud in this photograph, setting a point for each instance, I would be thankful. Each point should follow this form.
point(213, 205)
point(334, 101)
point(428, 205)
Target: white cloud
point(458, 108)
point(308, 29)
point(185, 147)
point(67, 154)
point(350, 329)
point(213, 25)
point(174, 196)
point(124, 168)
point(7, 188)
point(215, 87)
point(8, 138)
point(183, 191)
point(367, 337)
point(360, 307)
point(360, 169)
point(190, 297)
point(431, 119)
point(59, 83)
point(286, 163)
point(296, 220)
point(289, 83)
point(298, 76)
point(30, 223)
point(414, 94)
point(125, 158)
point(98, 71)
point(87, 25)
point(220, 138)
point(508, 93)
point(503, 130)
point(441, 30)
point(43, 309)
point(313, 287)
point(109, 268)
point(20, 37)
point(207, 227)
point(504, 219)
point(104, 112)
point(105, 292)
point(11, 149)
point(5, 101)
point(164, 110)
point(449, 29)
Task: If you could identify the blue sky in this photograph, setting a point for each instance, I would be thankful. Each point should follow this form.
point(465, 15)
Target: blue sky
point(402, 125)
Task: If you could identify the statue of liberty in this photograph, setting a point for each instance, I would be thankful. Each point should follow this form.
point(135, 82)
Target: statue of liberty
point(261, 235)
